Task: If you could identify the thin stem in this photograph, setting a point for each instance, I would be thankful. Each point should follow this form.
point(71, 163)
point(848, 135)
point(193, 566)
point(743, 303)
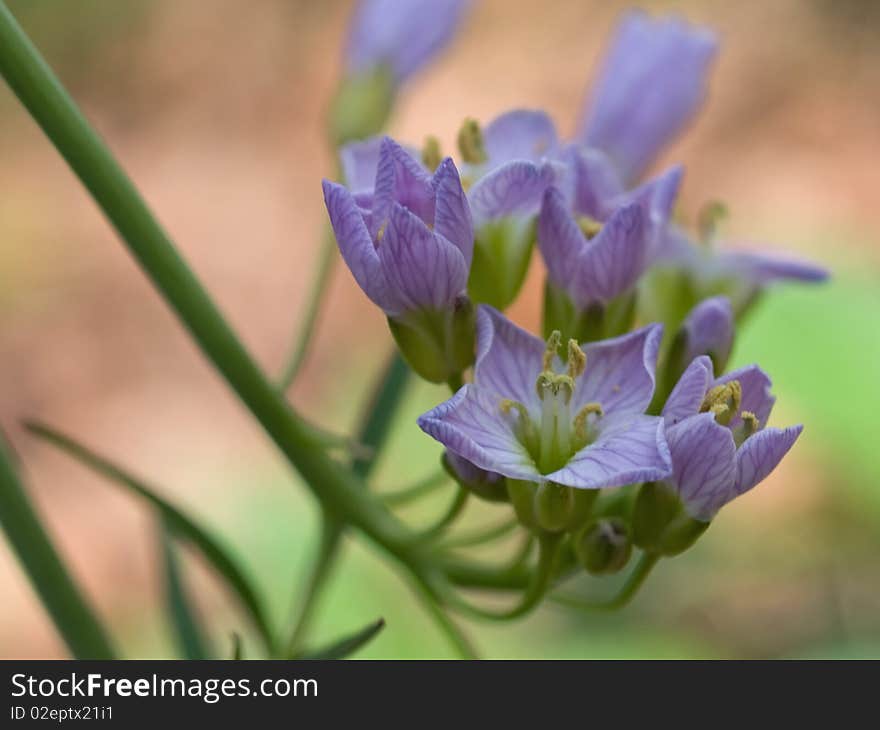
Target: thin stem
point(459, 641)
point(447, 518)
point(627, 592)
point(415, 491)
point(74, 619)
point(480, 536)
point(306, 327)
point(44, 97)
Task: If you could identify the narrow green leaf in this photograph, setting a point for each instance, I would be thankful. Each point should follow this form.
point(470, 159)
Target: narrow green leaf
point(347, 646)
point(180, 523)
point(237, 647)
point(74, 619)
point(181, 610)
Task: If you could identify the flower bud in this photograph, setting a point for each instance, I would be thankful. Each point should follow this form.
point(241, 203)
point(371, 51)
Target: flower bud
point(484, 484)
point(362, 105)
point(660, 523)
point(502, 251)
point(604, 547)
point(554, 506)
point(438, 345)
point(522, 496)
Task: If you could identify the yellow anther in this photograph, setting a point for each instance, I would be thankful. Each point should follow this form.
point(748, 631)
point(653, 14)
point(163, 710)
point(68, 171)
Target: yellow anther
point(723, 400)
point(590, 227)
point(555, 384)
point(751, 423)
point(580, 420)
point(553, 343)
point(470, 142)
point(431, 154)
point(577, 360)
point(381, 233)
point(710, 215)
point(507, 406)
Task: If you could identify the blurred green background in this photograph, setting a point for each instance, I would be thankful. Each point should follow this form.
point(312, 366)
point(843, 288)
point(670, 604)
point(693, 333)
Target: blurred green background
point(216, 109)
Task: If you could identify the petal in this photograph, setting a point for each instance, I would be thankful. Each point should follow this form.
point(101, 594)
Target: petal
point(760, 454)
point(690, 390)
point(756, 396)
point(614, 260)
point(400, 179)
point(515, 188)
point(356, 246)
point(709, 328)
point(620, 372)
point(423, 269)
point(652, 81)
point(595, 181)
point(452, 215)
point(521, 134)
point(703, 463)
point(763, 268)
point(656, 196)
point(401, 35)
point(472, 425)
point(631, 450)
point(559, 239)
point(359, 161)
point(509, 359)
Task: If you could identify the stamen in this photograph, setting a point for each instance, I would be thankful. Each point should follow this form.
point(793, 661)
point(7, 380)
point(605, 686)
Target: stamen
point(470, 142)
point(381, 233)
point(708, 219)
point(431, 154)
point(749, 426)
point(590, 227)
point(581, 420)
point(723, 401)
point(552, 350)
point(577, 360)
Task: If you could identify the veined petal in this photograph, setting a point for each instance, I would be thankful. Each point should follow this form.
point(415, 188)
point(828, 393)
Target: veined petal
point(401, 35)
point(690, 390)
point(656, 196)
point(356, 246)
point(360, 161)
point(709, 328)
point(509, 359)
point(515, 188)
point(620, 372)
point(760, 454)
point(521, 134)
point(559, 239)
point(595, 181)
point(763, 268)
point(400, 179)
point(756, 396)
point(472, 425)
point(632, 449)
point(703, 463)
point(452, 214)
point(652, 81)
point(614, 260)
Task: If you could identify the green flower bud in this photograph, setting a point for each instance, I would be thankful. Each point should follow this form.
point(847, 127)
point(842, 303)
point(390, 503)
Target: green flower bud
point(554, 506)
point(362, 105)
point(439, 346)
point(522, 497)
point(595, 322)
point(604, 547)
point(660, 523)
point(502, 251)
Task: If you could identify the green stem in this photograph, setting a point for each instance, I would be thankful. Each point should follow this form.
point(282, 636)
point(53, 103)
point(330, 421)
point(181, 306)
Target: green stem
point(480, 536)
point(44, 97)
point(74, 619)
point(405, 495)
point(630, 588)
point(450, 629)
point(447, 518)
point(307, 326)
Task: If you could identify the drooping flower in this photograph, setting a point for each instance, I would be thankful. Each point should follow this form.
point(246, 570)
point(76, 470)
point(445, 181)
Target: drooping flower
point(708, 330)
point(651, 82)
point(531, 417)
point(402, 35)
point(488, 485)
point(596, 244)
point(717, 436)
point(408, 242)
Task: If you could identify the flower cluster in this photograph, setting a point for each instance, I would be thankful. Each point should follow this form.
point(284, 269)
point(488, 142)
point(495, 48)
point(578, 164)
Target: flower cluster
point(604, 399)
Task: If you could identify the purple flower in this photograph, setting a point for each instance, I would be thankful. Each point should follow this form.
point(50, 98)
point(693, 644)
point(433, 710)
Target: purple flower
point(652, 81)
point(488, 485)
point(530, 417)
point(708, 330)
point(715, 430)
point(409, 240)
point(402, 35)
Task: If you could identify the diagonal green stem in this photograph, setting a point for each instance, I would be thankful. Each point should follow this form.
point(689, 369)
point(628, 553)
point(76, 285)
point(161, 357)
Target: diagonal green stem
point(44, 97)
point(74, 619)
point(627, 592)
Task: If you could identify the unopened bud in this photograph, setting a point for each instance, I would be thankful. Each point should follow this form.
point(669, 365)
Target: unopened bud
point(484, 484)
point(604, 547)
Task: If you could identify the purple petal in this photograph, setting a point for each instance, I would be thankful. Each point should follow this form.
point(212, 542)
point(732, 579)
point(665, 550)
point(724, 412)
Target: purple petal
point(631, 449)
point(559, 239)
point(360, 161)
point(760, 454)
point(521, 134)
point(614, 260)
point(452, 215)
point(652, 81)
point(401, 35)
point(690, 390)
point(704, 464)
point(762, 268)
point(656, 196)
point(356, 246)
point(515, 188)
point(709, 328)
point(400, 179)
point(595, 181)
point(756, 396)
point(620, 372)
point(509, 359)
point(472, 425)
point(468, 472)
point(424, 269)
